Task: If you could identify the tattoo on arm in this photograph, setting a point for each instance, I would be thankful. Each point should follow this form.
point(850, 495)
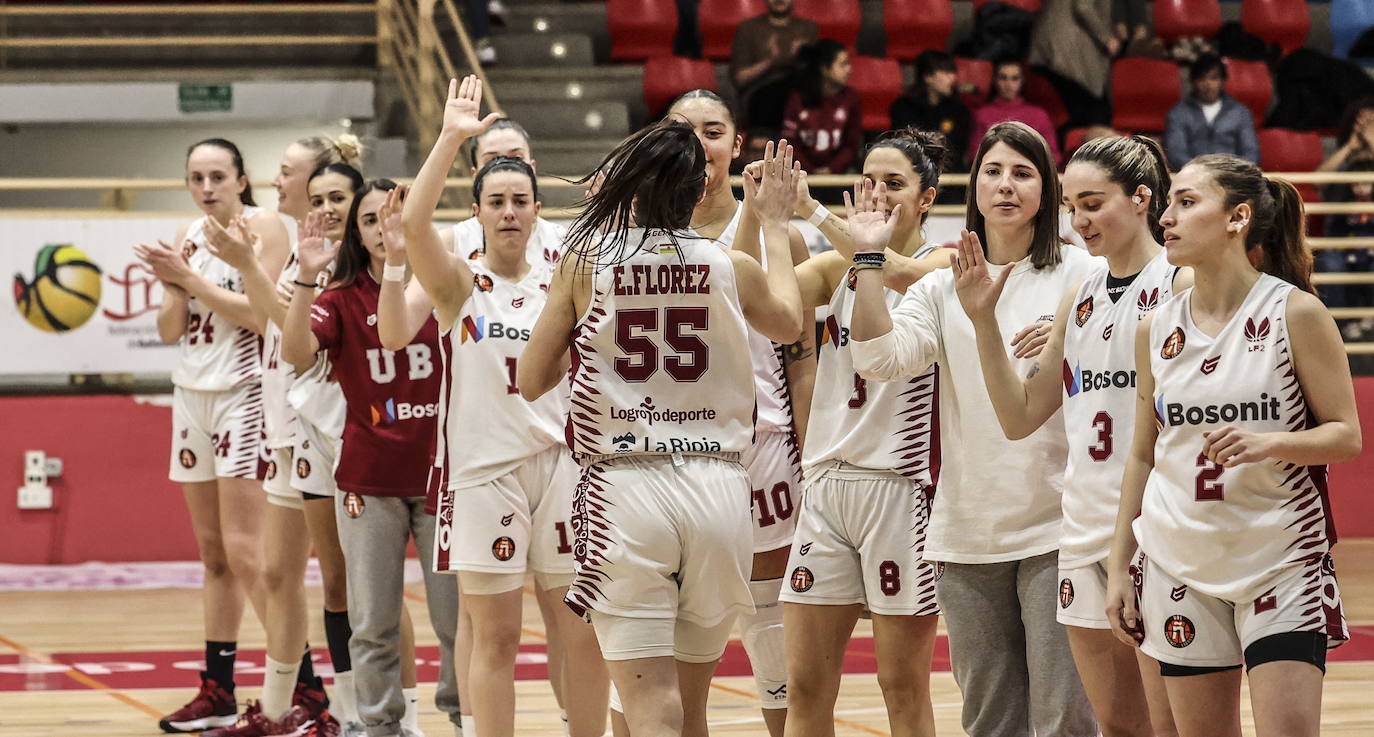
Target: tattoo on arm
point(796, 352)
point(1034, 369)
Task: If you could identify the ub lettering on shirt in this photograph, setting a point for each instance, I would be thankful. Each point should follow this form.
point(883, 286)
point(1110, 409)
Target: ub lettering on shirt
point(637, 279)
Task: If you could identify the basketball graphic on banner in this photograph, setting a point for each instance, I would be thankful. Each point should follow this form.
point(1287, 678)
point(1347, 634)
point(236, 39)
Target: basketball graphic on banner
point(64, 291)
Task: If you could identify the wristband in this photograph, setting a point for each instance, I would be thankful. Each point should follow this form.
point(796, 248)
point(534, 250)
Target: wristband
point(306, 284)
point(818, 215)
point(863, 266)
point(394, 272)
point(870, 259)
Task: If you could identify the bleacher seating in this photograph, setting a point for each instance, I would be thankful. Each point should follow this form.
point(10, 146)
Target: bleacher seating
point(641, 29)
point(913, 26)
point(1175, 19)
point(878, 82)
point(838, 19)
point(1284, 22)
point(1349, 20)
point(976, 72)
point(1250, 83)
point(1028, 5)
point(1039, 91)
point(1289, 150)
point(1143, 92)
point(718, 21)
point(666, 77)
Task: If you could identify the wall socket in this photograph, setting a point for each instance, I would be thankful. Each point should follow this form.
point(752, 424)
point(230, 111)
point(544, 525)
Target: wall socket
point(35, 493)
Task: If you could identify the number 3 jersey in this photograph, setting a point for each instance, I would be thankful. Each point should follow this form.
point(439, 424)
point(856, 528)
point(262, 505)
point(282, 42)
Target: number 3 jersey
point(214, 354)
point(661, 359)
point(886, 425)
point(487, 429)
point(1099, 404)
point(1225, 531)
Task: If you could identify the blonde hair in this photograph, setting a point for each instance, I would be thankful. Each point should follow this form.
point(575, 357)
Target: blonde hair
point(346, 149)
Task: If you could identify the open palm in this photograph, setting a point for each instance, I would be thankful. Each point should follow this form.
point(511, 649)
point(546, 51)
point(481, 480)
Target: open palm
point(870, 222)
point(463, 109)
point(978, 291)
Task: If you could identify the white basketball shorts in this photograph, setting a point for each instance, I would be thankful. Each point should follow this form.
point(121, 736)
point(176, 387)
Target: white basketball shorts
point(217, 434)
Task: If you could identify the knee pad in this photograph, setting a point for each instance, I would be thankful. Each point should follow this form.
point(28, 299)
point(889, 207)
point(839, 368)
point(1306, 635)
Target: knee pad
point(481, 583)
point(694, 643)
point(762, 635)
point(1304, 647)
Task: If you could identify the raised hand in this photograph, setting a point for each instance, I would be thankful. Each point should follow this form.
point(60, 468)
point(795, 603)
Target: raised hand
point(778, 186)
point(235, 245)
point(978, 292)
point(393, 235)
point(463, 110)
point(166, 263)
point(314, 251)
point(870, 223)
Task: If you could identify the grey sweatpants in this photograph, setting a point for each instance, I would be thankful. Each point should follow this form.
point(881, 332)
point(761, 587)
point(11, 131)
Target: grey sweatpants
point(373, 536)
point(1010, 657)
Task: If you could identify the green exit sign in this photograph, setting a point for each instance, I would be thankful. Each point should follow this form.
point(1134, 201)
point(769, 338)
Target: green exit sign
point(205, 98)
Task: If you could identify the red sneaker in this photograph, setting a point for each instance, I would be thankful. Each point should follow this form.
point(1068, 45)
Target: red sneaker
point(324, 725)
point(254, 723)
point(214, 706)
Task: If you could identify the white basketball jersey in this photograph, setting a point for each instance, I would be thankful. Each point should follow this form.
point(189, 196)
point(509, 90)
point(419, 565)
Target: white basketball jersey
point(544, 247)
point(486, 429)
point(660, 360)
point(1224, 531)
point(1099, 404)
point(770, 380)
point(214, 354)
point(883, 425)
point(278, 376)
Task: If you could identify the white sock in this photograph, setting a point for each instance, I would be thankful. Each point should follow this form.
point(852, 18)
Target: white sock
point(469, 725)
point(345, 702)
point(278, 683)
point(412, 718)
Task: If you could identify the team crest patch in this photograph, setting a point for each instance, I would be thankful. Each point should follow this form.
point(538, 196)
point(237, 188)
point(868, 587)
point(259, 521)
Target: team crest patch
point(1173, 345)
point(805, 548)
point(518, 302)
point(1147, 301)
point(184, 433)
point(1179, 631)
point(1210, 364)
point(802, 580)
point(623, 443)
point(476, 254)
point(1083, 311)
point(1267, 602)
point(1256, 333)
point(483, 282)
point(353, 505)
point(503, 548)
point(187, 458)
point(1065, 593)
point(271, 470)
point(302, 468)
point(1178, 592)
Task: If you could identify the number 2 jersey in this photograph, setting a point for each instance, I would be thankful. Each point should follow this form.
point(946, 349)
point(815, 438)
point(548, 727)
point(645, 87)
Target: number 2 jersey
point(661, 358)
point(883, 425)
point(214, 354)
point(1099, 404)
point(1225, 531)
point(486, 429)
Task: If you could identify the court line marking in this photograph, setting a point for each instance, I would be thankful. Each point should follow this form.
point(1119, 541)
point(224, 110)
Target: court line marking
point(838, 721)
point(82, 678)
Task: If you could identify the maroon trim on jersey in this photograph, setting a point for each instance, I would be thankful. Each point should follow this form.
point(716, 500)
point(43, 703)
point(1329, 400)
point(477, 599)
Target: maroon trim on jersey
point(1308, 483)
point(437, 482)
point(919, 418)
point(583, 417)
point(1320, 600)
point(591, 538)
point(248, 456)
point(927, 572)
point(444, 535)
point(782, 393)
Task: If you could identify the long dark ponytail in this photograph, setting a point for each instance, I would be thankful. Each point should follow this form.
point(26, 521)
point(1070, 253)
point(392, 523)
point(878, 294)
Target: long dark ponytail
point(1132, 161)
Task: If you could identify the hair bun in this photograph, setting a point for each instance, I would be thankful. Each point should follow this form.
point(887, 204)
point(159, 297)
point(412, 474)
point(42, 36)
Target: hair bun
point(350, 149)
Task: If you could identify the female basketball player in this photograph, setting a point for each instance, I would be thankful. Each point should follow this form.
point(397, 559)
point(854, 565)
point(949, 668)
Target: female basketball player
point(870, 452)
point(995, 525)
point(1114, 188)
point(1244, 395)
point(783, 378)
point(217, 410)
point(505, 477)
point(286, 551)
point(391, 400)
point(661, 408)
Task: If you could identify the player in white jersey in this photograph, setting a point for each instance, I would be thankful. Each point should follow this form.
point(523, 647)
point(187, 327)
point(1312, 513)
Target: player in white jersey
point(503, 474)
point(1244, 396)
point(327, 167)
point(217, 409)
point(995, 522)
point(653, 316)
point(1114, 188)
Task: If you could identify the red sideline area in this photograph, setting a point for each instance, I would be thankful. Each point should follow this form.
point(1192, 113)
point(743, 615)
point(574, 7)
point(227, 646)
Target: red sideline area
point(177, 669)
point(114, 502)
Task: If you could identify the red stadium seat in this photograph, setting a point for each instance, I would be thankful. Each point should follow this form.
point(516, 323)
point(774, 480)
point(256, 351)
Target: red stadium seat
point(1175, 19)
point(1284, 22)
point(1073, 138)
point(878, 82)
point(914, 26)
point(976, 72)
point(1038, 91)
point(1283, 150)
point(1250, 83)
point(718, 21)
point(641, 28)
point(1143, 92)
point(837, 19)
point(1028, 5)
point(666, 77)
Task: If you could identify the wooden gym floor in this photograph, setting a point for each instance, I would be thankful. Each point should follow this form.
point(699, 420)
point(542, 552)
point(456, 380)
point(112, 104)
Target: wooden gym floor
point(120, 643)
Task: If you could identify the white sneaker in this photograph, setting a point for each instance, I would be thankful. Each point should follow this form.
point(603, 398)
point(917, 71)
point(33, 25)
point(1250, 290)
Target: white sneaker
point(496, 10)
point(486, 55)
point(353, 729)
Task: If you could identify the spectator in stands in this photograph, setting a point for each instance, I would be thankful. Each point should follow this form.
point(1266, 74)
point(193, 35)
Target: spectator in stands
point(762, 64)
point(1130, 24)
point(933, 105)
point(1209, 121)
point(1006, 103)
point(824, 117)
point(478, 14)
point(1361, 261)
point(1072, 46)
point(1356, 137)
